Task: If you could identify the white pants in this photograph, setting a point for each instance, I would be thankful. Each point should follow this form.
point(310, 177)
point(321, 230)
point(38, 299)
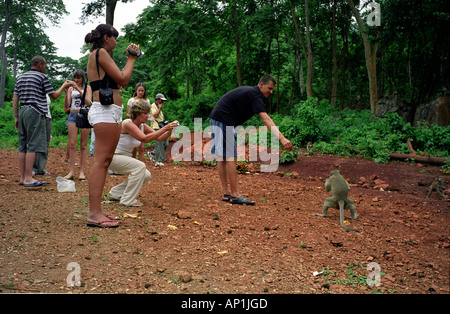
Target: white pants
point(138, 175)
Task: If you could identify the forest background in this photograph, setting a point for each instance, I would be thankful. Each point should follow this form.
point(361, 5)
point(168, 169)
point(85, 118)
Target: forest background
point(333, 60)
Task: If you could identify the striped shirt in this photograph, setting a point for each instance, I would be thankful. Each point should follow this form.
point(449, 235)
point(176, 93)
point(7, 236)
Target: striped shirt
point(32, 88)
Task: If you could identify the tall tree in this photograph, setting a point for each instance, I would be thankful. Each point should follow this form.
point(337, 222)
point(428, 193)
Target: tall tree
point(370, 54)
point(96, 8)
point(307, 50)
point(11, 10)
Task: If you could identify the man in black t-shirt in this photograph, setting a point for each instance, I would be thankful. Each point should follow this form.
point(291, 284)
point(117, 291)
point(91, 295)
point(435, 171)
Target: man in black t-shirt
point(233, 109)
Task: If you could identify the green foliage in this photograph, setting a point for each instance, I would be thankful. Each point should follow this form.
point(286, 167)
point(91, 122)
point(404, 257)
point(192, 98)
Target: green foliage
point(8, 132)
point(306, 122)
point(288, 156)
point(185, 110)
point(347, 132)
point(351, 132)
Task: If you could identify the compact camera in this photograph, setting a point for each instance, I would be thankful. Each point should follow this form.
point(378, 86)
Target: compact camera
point(140, 53)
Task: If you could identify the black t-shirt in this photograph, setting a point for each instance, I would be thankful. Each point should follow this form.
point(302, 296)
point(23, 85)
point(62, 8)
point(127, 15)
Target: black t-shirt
point(238, 105)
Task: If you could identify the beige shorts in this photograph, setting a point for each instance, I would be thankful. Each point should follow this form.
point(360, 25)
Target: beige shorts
point(105, 114)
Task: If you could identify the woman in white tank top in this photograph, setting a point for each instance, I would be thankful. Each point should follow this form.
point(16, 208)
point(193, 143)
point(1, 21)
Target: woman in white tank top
point(134, 131)
point(140, 92)
point(73, 101)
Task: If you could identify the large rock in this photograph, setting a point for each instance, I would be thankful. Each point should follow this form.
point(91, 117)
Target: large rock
point(437, 112)
point(391, 103)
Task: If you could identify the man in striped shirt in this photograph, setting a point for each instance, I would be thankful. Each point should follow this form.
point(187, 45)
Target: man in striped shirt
point(31, 90)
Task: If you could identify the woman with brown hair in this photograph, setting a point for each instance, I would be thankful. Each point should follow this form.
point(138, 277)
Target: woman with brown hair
point(72, 103)
point(104, 74)
point(140, 92)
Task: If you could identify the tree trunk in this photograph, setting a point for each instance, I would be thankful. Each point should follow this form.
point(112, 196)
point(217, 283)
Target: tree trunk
point(6, 24)
point(278, 75)
point(300, 42)
point(439, 161)
point(370, 56)
point(110, 8)
point(238, 44)
point(188, 85)
point(309, 56)
point(334, 78)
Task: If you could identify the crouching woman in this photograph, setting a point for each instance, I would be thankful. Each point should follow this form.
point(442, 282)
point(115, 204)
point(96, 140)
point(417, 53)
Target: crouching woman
point(134, 131)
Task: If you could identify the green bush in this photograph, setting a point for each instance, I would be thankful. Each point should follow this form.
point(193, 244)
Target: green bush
point(8, 132)
point(351, 132)
point(346, 132)
point(185, 110)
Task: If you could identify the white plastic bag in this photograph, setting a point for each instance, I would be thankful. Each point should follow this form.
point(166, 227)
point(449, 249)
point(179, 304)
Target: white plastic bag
point(65, 185)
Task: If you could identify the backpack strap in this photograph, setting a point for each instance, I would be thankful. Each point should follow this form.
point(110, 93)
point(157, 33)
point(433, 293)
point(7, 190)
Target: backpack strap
point(83, 97)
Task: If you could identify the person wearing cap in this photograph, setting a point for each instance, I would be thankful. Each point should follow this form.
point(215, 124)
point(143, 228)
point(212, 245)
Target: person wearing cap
point(157, 123)
point(234, 109)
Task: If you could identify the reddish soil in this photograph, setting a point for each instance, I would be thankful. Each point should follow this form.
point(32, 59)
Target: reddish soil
point(274, 247)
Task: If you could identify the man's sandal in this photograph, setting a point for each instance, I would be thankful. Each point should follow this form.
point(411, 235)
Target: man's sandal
point(241, 200)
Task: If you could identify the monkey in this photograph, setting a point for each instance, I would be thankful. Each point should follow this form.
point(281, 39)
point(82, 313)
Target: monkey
point(339, 188)
point(309, 148)
point(438, 185)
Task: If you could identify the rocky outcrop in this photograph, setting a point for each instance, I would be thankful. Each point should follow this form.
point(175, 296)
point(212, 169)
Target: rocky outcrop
point(436, 112)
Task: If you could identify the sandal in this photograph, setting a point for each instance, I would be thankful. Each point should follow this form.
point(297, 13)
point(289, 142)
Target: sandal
point(35, 183)
point(226, 197)
point(135, 204)
point(241, 200)
point(103, 224)
point(112, 217)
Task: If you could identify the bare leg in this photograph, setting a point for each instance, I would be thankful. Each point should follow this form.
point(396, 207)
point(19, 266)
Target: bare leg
point(106, 139)
point(221, 165)
point(26, 162)
point(83, 151)
point(227, 173)
point(73, 137)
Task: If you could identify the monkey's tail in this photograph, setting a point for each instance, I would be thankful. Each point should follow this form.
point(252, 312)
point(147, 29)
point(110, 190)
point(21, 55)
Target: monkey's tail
point(341, 210)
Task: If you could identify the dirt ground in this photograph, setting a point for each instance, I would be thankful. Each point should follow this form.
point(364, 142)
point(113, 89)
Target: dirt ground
point(185, 240)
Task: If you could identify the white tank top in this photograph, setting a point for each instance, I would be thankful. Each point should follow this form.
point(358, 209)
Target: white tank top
point(127, 143)
point(76, 100)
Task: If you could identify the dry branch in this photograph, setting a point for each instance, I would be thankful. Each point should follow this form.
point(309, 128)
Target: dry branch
point(424, 158)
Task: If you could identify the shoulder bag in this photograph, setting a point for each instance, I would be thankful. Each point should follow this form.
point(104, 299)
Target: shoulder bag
point(82, 121)
point(105, 94)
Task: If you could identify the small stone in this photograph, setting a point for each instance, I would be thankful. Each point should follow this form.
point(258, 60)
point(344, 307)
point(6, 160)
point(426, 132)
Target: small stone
point(182, 214)
point(185, 277)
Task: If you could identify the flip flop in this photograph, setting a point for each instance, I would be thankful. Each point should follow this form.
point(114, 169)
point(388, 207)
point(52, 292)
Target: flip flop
point(135, 204)
point(112, 217)
point(36, 183)
point(103, 224)
point(241, 200)
point(226, 197)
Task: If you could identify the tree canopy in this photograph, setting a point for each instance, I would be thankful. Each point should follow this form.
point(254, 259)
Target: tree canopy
point(330, 50)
